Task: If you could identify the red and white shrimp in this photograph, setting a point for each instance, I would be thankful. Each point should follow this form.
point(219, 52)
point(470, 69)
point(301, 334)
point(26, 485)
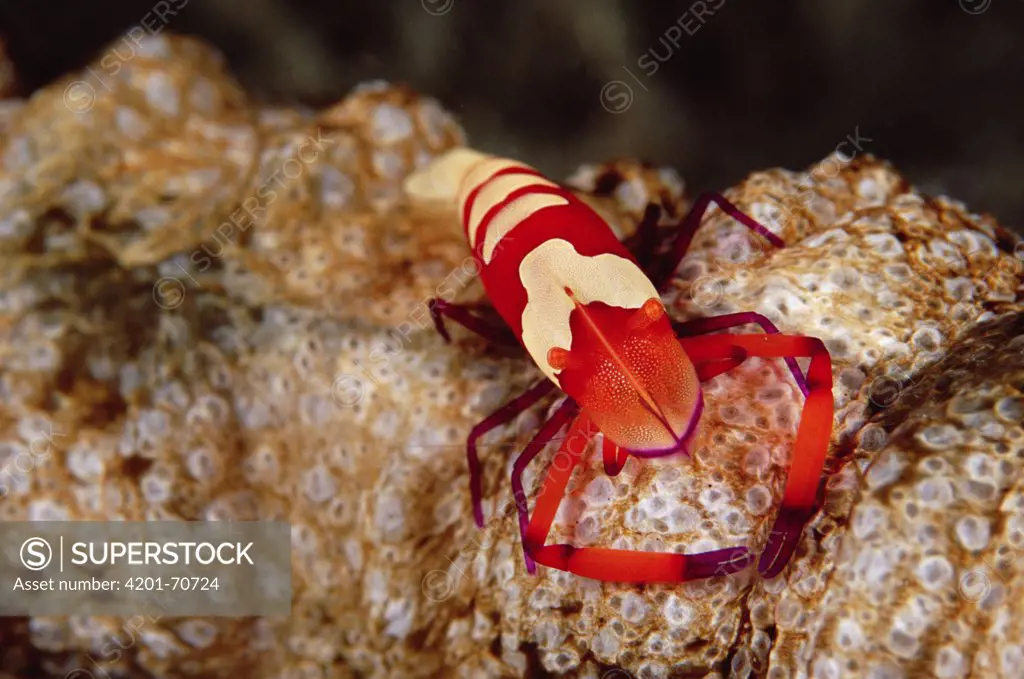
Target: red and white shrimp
point(593, 321)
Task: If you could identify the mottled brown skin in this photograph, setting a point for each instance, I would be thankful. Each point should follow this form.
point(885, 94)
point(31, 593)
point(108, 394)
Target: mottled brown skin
point(247, 368)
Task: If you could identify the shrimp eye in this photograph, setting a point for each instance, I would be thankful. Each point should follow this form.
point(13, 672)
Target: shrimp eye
point(558, 358)
point(650, 312)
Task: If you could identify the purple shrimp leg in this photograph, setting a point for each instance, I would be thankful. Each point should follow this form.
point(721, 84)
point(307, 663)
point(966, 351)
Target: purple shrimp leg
point(663, 273)
point(644, 241)
point(501, 416)
point(552, 426)
point(461, 314)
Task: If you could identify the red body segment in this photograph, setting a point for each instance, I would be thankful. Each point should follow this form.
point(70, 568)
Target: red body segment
point(574, 222)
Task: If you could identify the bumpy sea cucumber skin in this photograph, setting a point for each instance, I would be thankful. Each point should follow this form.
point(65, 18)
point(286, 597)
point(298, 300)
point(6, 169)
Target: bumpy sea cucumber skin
point(297, 377)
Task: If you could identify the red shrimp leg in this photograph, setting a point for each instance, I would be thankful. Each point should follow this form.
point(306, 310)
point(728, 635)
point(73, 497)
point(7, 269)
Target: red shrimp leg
point(550, 496)
point(688, 230)
point(701, 326)
point(501, 416)
point(623, 565)
point(462, 315)
point(614, 457)
point(547, 432)
point(616, 565)
point(709, 369)
point(799, 499)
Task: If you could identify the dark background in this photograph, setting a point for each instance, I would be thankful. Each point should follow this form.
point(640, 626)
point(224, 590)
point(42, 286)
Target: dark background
point(937, 89)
